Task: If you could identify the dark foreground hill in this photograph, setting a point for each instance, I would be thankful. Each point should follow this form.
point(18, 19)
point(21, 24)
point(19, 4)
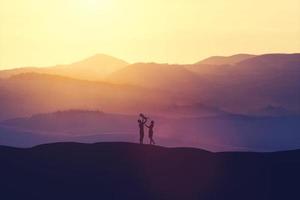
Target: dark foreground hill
point(132, 171)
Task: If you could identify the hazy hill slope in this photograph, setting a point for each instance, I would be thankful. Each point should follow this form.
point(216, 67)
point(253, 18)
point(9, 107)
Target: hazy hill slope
point(18, 137)
point(93, 68)
point(15, 136)
point(131, 171)
point(273, 61)
point(27, 94)
point(96, 67)
point(225, 60)
point(4, 74)
point(76, 122)
point(177, 79)
point(193, 110)
point(152, 75)
point(271, 80)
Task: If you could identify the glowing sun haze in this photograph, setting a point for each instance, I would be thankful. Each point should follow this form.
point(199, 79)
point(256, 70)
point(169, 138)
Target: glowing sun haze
point(43, 32)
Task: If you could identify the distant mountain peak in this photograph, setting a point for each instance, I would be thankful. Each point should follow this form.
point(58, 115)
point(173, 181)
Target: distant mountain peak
point(101, 58)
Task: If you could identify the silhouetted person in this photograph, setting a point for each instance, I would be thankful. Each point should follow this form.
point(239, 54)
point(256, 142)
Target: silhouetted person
point(151, 126)
point(141, 126)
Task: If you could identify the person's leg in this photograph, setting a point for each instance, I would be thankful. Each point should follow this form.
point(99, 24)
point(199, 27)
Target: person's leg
point(152, 141)
point(142, 138)
point(149, 135)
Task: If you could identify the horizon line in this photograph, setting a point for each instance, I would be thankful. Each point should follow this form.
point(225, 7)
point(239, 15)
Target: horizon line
point(3, 68)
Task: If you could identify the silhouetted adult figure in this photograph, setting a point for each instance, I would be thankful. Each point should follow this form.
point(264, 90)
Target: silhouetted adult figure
point(142, 122)
point(151, 126)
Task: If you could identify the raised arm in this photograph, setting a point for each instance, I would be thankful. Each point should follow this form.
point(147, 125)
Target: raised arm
point(144, 120)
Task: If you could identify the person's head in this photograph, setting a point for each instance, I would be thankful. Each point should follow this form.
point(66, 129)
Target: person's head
point(143, 116)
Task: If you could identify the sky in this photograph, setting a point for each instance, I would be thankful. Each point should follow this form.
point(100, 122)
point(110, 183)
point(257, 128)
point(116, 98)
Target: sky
point(45, 33)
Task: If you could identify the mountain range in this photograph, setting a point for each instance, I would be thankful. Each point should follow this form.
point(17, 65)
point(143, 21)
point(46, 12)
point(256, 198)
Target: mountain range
point(248, 87)
point(93, 68)
point(241, 102)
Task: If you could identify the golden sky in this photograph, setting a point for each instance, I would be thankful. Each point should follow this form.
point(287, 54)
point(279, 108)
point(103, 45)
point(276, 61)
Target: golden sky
point(49, 32)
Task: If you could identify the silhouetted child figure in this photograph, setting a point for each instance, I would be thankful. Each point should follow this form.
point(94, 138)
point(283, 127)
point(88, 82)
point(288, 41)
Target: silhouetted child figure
point(141, 126)
point(151, 126)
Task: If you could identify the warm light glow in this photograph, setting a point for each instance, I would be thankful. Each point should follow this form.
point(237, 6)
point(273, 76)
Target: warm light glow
point(93, 4)
point(43, 32)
